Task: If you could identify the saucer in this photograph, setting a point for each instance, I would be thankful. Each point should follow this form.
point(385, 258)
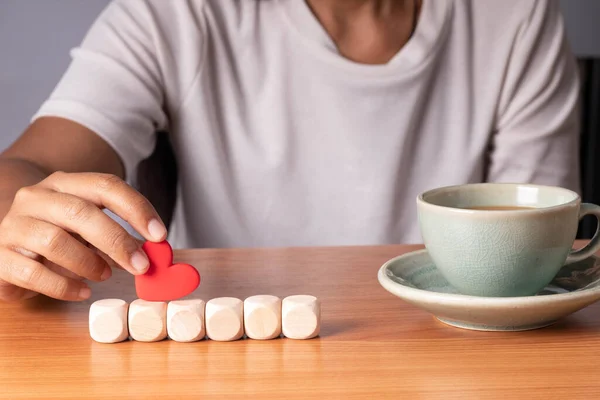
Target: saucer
point(415, 279)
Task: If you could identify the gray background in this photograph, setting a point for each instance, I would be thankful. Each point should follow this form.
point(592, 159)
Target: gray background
point(36, 36)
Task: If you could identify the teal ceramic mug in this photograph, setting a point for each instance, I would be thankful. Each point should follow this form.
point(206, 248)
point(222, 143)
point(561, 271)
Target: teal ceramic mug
point(502, 239)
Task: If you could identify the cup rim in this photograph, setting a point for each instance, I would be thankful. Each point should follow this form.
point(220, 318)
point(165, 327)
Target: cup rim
point(421, 199)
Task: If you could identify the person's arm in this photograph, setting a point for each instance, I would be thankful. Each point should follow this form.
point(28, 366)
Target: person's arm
point(52, 144)
point(537, 129)
point(98, 124)
point(50, 209)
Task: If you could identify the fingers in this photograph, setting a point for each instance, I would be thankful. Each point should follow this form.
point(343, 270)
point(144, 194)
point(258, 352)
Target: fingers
point(105, 257)
point(61, 271)
point(58, 247)
point(113, 193)
point(10, 292)
point(111, 263)
point(56, 233)
point(77, 215)
point(30, 274)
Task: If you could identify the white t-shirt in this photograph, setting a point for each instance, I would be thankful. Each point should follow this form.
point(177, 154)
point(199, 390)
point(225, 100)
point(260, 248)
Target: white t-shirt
point(281, 141)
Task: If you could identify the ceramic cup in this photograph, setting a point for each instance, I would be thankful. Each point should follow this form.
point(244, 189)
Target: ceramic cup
point(500, 252)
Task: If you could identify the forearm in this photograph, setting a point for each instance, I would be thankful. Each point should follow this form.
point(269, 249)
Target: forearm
point(16, 173)
point(49, 145)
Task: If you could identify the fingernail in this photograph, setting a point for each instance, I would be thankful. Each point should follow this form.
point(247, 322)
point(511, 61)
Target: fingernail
point(156, 229)
point(139, 261)
point(107, 273)
point(84, 293)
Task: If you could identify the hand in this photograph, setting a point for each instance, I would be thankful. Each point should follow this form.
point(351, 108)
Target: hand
point(56, 234)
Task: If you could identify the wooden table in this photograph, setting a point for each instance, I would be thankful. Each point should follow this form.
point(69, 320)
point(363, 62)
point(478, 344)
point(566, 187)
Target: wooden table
point(372, 345)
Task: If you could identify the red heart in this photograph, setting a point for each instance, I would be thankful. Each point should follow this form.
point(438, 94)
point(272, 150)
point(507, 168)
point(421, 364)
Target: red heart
point(165, 281)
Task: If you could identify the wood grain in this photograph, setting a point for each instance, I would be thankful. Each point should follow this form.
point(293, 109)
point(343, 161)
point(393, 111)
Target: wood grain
point(372, 345)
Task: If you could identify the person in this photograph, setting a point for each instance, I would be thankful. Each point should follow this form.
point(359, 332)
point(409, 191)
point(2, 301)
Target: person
point(294, 123)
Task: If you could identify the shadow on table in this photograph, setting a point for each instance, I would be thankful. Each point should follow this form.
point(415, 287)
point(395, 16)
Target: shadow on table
point(45, 304)
point(335, 328)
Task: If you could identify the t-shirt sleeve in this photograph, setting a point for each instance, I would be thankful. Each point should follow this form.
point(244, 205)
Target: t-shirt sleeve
point(114, 84)
point(537, 127)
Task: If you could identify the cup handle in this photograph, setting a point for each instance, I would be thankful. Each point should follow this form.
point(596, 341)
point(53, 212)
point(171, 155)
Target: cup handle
point(594, 245)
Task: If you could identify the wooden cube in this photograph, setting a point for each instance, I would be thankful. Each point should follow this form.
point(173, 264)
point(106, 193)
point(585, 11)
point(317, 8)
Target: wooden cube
point(148, 320)
point(224, 319)
point(108, 321)
point(185, 320)
point(301, 317)
point(262, 317)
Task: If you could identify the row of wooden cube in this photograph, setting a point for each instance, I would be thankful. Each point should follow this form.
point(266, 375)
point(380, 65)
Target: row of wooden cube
point(222, 319)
